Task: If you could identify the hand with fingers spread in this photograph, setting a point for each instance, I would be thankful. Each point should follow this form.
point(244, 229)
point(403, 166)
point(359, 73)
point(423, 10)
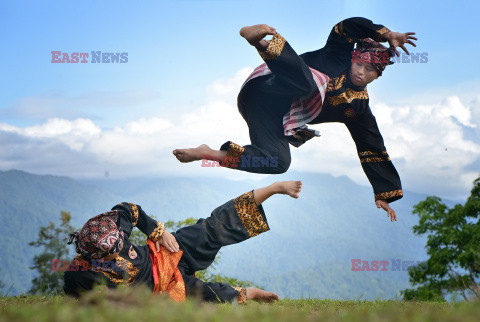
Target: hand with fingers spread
point(397, 39)
point(168, 241)
point(390, 212)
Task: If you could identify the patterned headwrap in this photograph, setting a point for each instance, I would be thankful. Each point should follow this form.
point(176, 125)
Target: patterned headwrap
point(372, 52)
point(99, 236)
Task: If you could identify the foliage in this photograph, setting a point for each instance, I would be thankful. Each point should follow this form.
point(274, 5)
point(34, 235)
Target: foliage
point(453, 244)
point(53, 240)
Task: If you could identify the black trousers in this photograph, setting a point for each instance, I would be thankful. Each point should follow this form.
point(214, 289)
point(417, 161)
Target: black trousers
point(263, 102)
point(231, 223)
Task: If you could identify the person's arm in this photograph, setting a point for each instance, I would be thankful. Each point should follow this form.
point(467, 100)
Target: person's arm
point(347, 32)
point(132, 215)
point(375, 160)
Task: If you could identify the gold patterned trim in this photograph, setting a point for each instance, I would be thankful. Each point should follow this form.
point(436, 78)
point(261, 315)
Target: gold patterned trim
point(251, 217)
point(346, 97)
point(373, 156)
point(157, 233)
point(365, 153)
point(274, 49)
point(114, 276)
point(134, 213)
point(379, 34)
point(339, 30)
point(389, 194)
point(242, 295)
point(232, 158)
point(375, 159)
point(336, 82)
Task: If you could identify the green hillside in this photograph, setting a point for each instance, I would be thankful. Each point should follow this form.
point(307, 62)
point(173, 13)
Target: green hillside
point(307, 252)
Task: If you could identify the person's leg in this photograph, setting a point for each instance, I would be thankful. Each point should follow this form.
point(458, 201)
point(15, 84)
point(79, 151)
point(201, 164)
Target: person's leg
point(221, 292)
point(263, 102)
point(291, 188)
point(269, 151)
point(233, 222)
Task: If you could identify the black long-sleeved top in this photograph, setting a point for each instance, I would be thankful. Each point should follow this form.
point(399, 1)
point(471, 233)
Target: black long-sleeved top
point(344, 102)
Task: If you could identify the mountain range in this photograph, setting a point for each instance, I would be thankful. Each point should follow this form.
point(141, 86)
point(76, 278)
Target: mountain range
point(308, 251)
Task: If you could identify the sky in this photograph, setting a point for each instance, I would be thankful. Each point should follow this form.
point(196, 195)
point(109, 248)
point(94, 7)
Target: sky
point(186, 63)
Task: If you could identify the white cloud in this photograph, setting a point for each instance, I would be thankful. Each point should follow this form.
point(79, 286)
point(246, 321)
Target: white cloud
point(72, 133)
point(427, 143)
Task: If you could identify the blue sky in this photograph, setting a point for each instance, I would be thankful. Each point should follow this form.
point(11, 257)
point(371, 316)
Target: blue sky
point(181, 52)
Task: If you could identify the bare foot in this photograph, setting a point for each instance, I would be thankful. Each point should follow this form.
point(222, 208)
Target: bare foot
point(255, 34)
point(291, 188)
point(193, 154)
point(257, 294)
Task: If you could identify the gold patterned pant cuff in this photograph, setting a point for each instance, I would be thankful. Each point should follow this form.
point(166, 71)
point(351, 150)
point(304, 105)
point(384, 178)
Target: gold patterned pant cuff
point(252, 218)
point(232, 158)
point(242, 295)
point(274, 49)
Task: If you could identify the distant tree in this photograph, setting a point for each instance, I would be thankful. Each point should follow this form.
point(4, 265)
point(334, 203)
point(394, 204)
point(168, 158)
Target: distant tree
point(453, 244)
point(53, 240)
point(139, 238)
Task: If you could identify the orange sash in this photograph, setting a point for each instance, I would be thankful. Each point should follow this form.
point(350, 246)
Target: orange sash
point(166, 275)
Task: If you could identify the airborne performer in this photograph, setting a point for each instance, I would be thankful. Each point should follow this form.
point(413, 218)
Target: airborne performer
point(167, 264)
point(289, 91)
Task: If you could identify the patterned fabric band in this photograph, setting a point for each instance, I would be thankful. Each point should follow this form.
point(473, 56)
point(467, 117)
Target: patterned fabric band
point(301, 111)
point(99, 236)
point(371, 52)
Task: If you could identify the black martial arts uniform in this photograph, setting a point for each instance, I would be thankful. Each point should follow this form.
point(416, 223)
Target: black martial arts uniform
point(232, 222)
point(264, 100)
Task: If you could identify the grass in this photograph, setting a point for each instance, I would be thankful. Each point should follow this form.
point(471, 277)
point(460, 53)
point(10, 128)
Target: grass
point(140, 305)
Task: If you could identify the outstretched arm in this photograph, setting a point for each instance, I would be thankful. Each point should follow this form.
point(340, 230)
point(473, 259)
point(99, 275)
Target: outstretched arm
point(347, 32)
point(375, 162)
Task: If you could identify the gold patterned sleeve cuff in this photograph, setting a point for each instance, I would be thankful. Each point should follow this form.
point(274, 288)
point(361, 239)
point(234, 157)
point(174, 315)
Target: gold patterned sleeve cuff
point(232, 158)
point(389, 196)
point(134, 213)
point(379, 34)
point(242, 295)
point(274, 49)
point(250, 214)
point(157, 233)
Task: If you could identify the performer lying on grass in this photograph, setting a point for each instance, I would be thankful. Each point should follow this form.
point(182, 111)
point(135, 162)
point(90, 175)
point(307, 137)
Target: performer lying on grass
point(169, 260)
point(288, 92)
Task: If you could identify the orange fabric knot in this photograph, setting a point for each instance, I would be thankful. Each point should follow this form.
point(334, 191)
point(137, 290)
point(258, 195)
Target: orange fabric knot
point(166, 275)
